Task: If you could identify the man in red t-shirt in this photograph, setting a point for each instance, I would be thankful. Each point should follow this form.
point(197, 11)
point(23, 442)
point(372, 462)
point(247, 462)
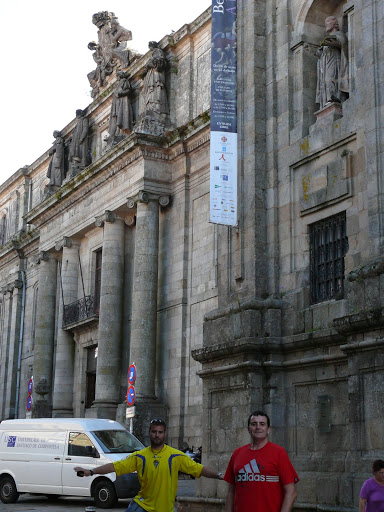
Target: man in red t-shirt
point(260, 474)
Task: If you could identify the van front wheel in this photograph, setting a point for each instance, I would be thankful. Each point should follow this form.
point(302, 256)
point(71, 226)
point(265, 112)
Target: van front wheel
point(105, 494)
point(8, 490)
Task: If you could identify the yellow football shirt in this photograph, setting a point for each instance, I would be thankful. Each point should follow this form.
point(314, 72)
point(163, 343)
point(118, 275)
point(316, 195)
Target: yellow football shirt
point(158, 472)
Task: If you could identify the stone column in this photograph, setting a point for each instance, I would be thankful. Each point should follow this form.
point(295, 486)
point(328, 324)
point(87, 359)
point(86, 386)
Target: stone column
point(108, 367)
point(44, 335)
point(65, 352)
point(144, 307)
point(15, 291)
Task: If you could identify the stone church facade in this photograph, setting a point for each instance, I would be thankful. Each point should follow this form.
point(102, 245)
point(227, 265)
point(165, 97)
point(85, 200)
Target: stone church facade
point(108, 257)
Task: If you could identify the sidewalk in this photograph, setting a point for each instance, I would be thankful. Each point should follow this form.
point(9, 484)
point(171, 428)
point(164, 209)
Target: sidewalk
point(28, 503)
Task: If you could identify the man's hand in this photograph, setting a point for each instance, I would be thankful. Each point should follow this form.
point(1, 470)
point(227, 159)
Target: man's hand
point(86, 472)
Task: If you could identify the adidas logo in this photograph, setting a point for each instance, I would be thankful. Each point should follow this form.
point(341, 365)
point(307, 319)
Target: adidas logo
point(251, 473)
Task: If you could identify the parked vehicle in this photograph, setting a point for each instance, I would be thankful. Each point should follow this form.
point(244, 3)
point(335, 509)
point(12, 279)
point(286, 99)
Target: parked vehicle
point(37, 456)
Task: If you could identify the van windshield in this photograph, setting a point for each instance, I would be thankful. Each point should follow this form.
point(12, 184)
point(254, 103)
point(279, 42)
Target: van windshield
point(117, 441)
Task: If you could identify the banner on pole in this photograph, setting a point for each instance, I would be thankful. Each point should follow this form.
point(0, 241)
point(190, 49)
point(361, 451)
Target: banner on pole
point(223, 158)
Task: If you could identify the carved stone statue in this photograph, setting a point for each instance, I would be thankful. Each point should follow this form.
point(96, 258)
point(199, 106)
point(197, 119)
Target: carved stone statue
point(155, 119)
point(121, 118)
point(78, 148)
point(332, 66)
point(155, 92)
point(56, 169)
point(119, 36)
point(111, 51)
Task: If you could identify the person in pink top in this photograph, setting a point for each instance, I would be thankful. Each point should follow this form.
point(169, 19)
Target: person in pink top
point(372, 491)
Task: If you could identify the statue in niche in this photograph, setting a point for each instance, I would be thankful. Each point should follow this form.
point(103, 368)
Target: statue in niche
point(155, 92)
point(78, 148)
point(121, 118)
point(56, 169)
point(111, 51)
point(332, 66)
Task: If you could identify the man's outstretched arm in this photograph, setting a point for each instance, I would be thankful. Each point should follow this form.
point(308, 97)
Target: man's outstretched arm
point(230, 499)
point(209, 473)
point(98, 470)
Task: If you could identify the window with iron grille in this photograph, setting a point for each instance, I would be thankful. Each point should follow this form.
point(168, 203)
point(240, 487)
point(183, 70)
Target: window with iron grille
point(328, 246)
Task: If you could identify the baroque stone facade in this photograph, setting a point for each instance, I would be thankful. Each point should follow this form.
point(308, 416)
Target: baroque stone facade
point(285, 312)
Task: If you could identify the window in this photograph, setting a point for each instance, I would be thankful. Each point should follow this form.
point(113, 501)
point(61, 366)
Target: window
point(80, 445)
point(3, 230)
point(328, 246)
point(99, 259)
point(90, 376)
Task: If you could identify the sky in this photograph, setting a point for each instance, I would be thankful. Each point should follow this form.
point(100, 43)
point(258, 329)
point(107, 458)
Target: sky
point(45, 62)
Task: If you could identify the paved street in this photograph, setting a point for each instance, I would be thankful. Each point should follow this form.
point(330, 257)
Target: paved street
point(28, 503)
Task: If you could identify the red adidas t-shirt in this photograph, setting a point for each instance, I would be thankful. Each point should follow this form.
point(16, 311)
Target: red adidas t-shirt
point(259, 477)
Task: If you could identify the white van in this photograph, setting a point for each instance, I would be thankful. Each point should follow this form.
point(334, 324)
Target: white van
point(38, 456)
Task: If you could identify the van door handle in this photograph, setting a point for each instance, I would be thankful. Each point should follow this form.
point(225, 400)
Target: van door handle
point(68, 458)
point(57, 458)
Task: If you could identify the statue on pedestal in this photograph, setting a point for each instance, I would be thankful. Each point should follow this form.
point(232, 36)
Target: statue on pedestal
point(332, 66)
point(79, 157)
point(121, 118)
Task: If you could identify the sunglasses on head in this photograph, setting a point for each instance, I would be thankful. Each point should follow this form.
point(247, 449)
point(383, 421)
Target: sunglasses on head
point(157, 421)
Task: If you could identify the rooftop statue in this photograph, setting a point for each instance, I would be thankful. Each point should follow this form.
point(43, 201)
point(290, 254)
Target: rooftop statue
point(332, 66)
point(155, 119)
point(79, 157)
point(111, 50)
point(121, 118)
point(56, 169)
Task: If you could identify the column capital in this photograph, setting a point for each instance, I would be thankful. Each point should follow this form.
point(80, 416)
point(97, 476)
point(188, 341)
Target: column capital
point(144, 197)
point(130, 220)
point(64, 242)
point(40, 256)
point(107, 216)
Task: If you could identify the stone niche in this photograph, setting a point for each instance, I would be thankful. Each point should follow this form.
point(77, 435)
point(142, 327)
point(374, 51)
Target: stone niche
point(308, 34)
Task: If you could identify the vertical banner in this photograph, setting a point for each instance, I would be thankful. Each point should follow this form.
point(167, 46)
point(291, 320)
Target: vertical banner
point(223, 162)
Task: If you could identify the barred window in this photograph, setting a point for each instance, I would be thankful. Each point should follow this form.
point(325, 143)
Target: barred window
point(328, 246)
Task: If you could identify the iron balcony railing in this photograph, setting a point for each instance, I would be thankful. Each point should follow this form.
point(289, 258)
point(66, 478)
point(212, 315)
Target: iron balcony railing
point(80, 310)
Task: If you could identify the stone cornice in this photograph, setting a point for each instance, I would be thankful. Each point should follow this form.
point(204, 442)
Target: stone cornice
point(237, 307)
point(365, 320)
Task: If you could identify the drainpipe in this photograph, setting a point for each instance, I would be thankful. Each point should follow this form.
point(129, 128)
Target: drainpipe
point(20, 340)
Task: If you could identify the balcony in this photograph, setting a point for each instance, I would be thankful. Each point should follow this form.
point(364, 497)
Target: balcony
point(80, 311)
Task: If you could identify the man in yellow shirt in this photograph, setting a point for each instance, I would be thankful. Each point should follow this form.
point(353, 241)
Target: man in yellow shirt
point(157, 468)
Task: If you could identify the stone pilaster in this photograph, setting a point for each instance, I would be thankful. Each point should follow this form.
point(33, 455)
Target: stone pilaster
point(108, 368)
point(44, 335)
point(64, 366)
point(144, 307)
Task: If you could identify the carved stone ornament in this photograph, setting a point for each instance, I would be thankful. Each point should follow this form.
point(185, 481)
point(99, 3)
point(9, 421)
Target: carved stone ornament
point(107, 216)
point(164, 200)
point(121, 117)
point(130, 220)
point(41, 256)
point(65, 242)
point(131, 203)
point(143, 196)
point(56, 169)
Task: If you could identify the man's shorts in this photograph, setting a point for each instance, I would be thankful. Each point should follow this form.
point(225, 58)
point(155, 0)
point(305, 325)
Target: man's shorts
point(135, 507)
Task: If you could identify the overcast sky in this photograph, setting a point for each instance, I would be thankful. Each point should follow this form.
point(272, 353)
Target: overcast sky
point(45, 61)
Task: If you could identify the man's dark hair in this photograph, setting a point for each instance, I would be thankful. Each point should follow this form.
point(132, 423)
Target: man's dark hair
point(259, 413)
point(377, 465)
point(158, 422)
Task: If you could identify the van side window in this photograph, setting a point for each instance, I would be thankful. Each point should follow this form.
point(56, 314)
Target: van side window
point(80, 445)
